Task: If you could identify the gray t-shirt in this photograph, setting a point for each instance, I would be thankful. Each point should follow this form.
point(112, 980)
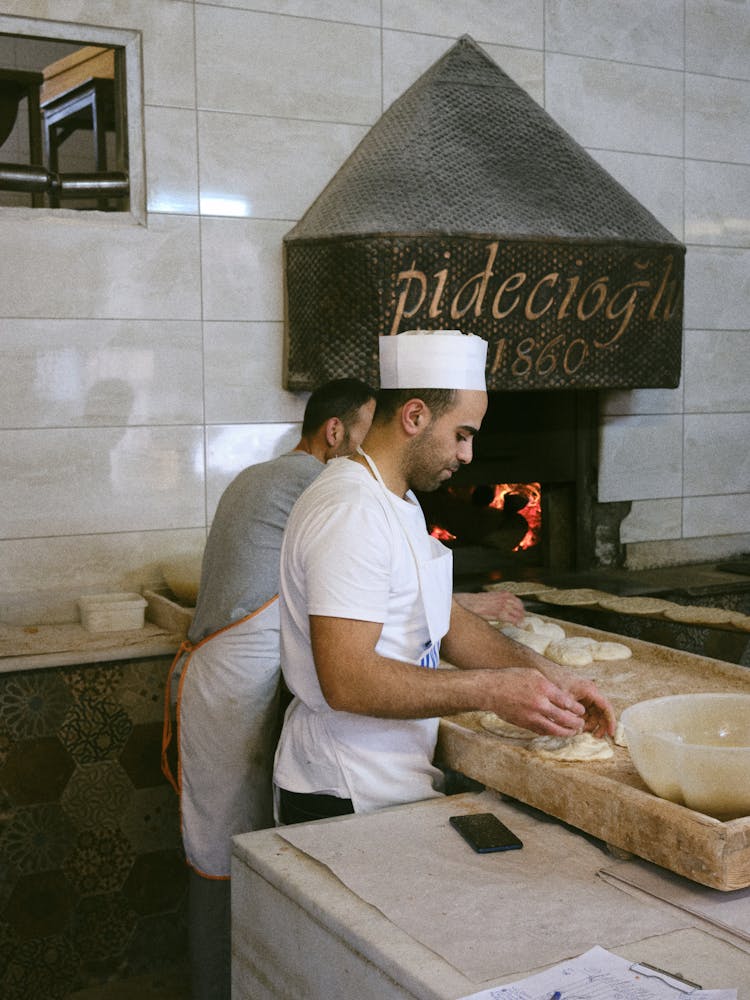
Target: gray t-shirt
point(241, 561)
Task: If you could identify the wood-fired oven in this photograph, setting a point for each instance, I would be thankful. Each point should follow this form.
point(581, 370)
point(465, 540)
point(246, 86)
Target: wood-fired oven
point(527, 497)
point(467, 207)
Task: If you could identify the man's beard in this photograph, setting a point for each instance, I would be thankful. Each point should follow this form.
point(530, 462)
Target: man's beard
point(424, 472)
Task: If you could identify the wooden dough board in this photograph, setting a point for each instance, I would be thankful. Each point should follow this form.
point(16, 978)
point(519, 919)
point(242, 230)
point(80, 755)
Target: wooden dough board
point(607, 798)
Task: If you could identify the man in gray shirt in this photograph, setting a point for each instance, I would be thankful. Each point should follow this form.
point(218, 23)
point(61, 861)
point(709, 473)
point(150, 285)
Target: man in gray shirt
point(228, 692)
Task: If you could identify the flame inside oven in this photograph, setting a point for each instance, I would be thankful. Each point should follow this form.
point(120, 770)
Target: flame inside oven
point(514, 500)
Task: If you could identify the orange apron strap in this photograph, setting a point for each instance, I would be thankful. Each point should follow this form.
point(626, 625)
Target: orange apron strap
point(166, 738)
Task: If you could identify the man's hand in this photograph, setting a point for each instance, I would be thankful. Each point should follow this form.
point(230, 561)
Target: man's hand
point(527, 698)
point(599, 717)
point(535, 693)
point(495, 604)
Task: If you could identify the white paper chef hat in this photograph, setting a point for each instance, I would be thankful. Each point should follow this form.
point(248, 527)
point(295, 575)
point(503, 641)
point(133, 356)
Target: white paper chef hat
point(432, 359)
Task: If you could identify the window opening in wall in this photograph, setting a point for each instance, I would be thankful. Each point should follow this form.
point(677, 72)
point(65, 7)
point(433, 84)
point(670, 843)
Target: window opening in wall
point(63, 124)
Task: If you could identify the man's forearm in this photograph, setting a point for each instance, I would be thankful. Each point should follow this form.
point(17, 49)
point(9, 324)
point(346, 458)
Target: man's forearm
point(471, 643)
point(353, 678)
point(392, 689)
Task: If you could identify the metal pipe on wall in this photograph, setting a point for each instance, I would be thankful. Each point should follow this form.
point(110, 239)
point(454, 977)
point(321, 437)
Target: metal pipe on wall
point(38, 180)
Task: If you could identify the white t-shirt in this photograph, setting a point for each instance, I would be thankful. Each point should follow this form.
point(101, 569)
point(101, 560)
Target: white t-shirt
point(345, 555)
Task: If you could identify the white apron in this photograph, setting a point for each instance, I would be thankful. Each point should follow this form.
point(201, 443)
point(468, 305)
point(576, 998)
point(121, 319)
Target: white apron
point(227, 719)
point(435, 576)
point(387, 761)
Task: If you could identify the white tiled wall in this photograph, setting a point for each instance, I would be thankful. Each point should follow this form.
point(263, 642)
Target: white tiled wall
point(142, 363)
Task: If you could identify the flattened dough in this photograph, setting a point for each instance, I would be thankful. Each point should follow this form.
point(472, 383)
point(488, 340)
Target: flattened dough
point(538, 643)
point(533, 623)
point(494, 724)
point(611, 651)
point(584, 746)
point(569, 654)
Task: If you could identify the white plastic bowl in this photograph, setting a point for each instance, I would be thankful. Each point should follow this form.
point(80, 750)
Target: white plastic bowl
point(694, 749)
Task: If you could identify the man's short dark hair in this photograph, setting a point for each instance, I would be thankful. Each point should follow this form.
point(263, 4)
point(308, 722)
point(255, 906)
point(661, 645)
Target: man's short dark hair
point(389, 401)
point(342, 398)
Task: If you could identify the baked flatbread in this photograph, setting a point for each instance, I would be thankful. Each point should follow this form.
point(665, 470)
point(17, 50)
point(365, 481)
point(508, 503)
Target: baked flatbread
point(741, 621)
point(494, 724)
point(698, 615)
point(581, 595)
point(636, 605)
point(583, 746)
point(520, 588)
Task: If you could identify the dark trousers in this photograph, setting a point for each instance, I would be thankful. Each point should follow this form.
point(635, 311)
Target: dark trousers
point(209, 930)
point(303, 807)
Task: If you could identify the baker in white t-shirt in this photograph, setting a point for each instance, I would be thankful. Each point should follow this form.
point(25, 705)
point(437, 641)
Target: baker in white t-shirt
point(367, 609)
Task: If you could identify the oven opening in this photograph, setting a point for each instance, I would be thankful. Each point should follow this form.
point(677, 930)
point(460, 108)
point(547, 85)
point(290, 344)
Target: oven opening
point(506, 517)
point(527, 500)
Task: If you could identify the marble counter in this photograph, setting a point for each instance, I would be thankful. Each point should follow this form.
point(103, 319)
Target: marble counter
point(33, 647)
point(349, 911)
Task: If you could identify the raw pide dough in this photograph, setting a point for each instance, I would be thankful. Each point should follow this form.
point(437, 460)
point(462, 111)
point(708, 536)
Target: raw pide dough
point(569, 654)
point(611, 651)
point(583, 746)
point(533, 640)
point(550, 640)
point(533, 623)
point(494, 724)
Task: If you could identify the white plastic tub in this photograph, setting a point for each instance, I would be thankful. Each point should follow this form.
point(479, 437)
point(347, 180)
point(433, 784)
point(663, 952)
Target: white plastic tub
point(112, 612)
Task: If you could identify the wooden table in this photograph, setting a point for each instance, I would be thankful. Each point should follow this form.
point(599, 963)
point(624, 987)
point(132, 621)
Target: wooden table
point(607, 798)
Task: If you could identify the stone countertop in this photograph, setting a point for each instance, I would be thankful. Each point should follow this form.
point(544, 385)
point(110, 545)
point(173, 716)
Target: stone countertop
point(32, 647)
point(323, 935)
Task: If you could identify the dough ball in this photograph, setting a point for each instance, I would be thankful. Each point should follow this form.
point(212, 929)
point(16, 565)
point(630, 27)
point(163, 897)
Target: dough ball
point(534, 641)
point(494, 724)
point(533, 623)
point(569, 655)
point(611, 651)
point(583, 746)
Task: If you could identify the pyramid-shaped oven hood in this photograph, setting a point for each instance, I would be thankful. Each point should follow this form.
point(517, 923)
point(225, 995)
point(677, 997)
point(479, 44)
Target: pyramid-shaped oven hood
point(467, 207)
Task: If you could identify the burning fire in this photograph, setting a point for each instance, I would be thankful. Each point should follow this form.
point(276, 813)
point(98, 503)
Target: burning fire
point(531, 512)
point(442, 534)
point(526, 501)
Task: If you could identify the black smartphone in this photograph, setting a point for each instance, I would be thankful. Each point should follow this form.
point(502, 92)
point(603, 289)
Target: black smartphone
point(485, 833)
